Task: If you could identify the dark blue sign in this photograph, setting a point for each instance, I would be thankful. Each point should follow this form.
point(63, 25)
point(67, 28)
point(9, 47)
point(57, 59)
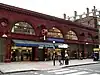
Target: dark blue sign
point(55, 39)
point(26, 45)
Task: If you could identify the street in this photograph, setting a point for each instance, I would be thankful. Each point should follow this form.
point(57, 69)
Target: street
point(93, 69)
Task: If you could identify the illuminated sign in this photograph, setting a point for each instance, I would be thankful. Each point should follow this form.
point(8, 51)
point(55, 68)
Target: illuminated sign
point(63, 46)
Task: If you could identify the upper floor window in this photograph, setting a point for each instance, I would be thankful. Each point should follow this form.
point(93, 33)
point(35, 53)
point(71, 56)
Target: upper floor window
point(23, 28)
point(71, 35)
point(54, 32)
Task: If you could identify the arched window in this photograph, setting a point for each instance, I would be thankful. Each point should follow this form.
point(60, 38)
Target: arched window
point(23, 28)
point(54, 32)
point(71, 35)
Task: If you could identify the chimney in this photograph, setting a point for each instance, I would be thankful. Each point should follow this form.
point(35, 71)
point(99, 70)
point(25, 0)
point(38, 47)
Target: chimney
point(94, 11)
point(94, 7)
point(87, 15)
point(68, 18)
point(64, 16)
point(80, 16)
point(75, 14)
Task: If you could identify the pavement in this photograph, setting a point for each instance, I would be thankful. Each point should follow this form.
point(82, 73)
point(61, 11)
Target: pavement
point(40, 65)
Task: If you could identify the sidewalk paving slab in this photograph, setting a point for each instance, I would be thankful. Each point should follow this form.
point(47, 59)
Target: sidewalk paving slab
point(40, 65)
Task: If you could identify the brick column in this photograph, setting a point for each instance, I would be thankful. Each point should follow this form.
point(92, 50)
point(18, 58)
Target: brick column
point(85, 50)
point(78, 51)
point(7, 50)
point(36, 53)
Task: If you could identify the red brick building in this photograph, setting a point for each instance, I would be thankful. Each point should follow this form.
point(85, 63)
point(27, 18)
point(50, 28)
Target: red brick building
point(22, 35)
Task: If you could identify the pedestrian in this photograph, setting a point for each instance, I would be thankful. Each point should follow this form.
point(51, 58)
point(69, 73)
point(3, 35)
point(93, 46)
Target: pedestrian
point(63, 56)
point(59, 57)
point(80, 55)
point(66, 59)
point(54, 58)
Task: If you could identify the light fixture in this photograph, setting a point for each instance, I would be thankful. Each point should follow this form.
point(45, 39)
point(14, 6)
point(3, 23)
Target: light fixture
point(87, 43)
point(53, 28)
point(17, 24)
point(4, 35)
point(53, 41)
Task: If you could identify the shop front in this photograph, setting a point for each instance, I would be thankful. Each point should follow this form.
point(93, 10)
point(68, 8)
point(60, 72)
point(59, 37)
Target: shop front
point(25, 50)
point(19, 53)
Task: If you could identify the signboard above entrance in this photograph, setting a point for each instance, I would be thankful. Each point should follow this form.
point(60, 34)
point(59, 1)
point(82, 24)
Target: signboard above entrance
point(63, 46)
point(27, 43)
point(55, 39)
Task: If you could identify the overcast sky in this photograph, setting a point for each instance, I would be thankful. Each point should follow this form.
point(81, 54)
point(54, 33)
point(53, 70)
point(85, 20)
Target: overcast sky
point(55, 7)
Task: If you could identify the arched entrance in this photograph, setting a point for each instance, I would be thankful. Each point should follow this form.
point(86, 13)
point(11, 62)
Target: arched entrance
point(73, 48)
point(22, 50)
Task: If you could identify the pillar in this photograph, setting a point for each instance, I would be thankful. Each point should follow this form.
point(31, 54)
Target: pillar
point(2, 50)
point(78, 51)
point(34, 53)
point(7, 50)
point(85, 51)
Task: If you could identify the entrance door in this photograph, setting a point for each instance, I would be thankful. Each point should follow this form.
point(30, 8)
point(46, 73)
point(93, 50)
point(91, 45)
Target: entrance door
point(21, 54)
point(26, 55)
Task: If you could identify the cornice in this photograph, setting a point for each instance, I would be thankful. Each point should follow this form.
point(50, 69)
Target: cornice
point(40, 15)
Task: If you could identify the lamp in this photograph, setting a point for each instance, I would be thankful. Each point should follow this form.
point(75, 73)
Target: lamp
point(4, 35)
point(87, 43)
point(53, 42)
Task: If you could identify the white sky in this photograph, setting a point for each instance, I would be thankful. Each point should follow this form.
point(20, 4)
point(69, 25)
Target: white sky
point(55, 7)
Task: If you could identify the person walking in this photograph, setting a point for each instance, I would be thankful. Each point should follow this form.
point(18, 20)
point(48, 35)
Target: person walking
point(80, 55)
point(66, 59)
point(63, 56)
point(54, 57)
point(59, 57)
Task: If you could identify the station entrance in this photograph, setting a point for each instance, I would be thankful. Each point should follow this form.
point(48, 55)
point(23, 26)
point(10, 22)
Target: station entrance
point(21, 53)
point(25, 50)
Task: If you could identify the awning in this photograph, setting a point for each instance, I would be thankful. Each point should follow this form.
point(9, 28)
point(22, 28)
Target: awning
point(26, 43)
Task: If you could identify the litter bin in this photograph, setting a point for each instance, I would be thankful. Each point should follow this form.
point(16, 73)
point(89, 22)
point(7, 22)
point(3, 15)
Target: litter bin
point(96, 56)
point(66, 61)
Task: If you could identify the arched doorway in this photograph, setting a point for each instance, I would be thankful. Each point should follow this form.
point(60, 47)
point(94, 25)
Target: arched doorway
point(73, 48)
point(22, 52)
point(53, 33)
point(88, 46)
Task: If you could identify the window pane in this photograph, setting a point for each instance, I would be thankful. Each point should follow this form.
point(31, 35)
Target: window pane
point(71, 35)
point(54, 32)
point(23, 27)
